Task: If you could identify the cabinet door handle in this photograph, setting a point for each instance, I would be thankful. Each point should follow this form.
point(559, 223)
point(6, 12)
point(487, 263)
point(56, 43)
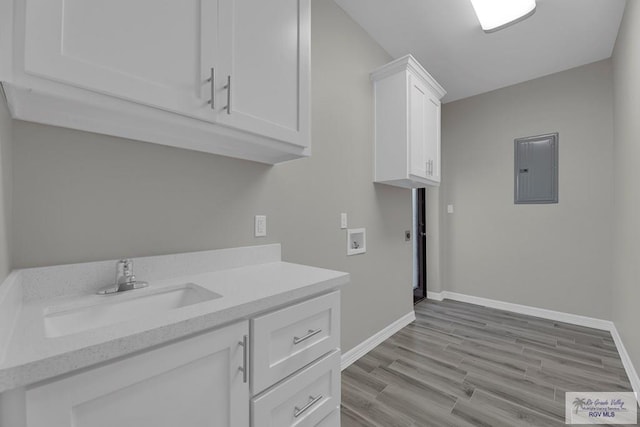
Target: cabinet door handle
point(212, 80)
point(245, 358)
point(312, 401)
point(228, 88)
point(311, 333)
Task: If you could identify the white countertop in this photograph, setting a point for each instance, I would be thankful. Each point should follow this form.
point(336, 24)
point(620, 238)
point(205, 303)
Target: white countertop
point(247, 290)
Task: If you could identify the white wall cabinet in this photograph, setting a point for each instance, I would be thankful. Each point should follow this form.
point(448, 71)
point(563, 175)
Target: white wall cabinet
point(224, 76)
point(194, 382)
point(407, 125)
point(265, 52)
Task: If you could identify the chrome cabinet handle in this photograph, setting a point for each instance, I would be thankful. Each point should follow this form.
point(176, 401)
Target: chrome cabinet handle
point(245, 358)
point(212, 80)
point(228, 88)
point(312, 401)
point(311, 333)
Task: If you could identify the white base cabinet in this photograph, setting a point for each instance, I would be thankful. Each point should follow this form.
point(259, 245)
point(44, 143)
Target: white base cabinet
point(290, 357)
point(331, 420)
point(296, 358)
point(305, 399)
point(228, 77)
point(407, 125)
point(194, 382)
point(286, 340)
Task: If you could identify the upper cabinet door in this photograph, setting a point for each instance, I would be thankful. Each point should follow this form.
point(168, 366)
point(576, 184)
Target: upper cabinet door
point(153, 52)
point(418, 128)
point(265, 57)
point(432, 126)
point(424, 131)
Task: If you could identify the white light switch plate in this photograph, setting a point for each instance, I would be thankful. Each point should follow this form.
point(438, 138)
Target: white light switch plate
point(260, 226)
point(343, 220)
point(449, 208)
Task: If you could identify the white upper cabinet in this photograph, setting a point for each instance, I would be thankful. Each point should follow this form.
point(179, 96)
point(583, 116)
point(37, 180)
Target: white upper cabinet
point(155, 53)
point(223, 76)
point(407, 125)
point(265, 55)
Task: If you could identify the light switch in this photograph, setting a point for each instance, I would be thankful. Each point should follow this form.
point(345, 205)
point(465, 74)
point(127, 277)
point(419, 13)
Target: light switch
point(261, 226)
point(449, 208)
point(343, 220)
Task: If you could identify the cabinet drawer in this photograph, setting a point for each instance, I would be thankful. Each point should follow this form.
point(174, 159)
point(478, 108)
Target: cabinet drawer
point(303, 400)
point(332, 420)
point(289, 339)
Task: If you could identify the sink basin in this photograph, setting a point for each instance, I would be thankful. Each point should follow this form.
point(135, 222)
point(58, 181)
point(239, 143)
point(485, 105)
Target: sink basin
point(115, 308)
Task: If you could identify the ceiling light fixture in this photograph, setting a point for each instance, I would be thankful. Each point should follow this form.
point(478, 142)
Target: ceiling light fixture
point(495, 15)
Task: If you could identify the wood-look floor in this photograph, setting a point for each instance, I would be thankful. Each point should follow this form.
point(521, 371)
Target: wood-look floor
point(464, 365)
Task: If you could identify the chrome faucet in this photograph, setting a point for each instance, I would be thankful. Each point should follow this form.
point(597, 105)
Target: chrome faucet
point(125, 279)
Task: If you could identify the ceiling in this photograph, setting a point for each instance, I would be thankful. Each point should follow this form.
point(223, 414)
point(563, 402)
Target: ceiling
point(446, 38)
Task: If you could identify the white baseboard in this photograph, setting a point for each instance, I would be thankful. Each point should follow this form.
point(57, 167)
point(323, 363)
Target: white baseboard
point(370, 343)
point(559, 316)
point(435, 296)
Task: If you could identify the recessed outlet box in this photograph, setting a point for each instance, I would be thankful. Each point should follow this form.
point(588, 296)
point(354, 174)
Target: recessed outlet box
point(356, 241)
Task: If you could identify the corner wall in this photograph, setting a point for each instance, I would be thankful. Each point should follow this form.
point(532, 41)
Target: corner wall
point(555, 256)
point(83, 197)
point(6, 138)
point(626, 214)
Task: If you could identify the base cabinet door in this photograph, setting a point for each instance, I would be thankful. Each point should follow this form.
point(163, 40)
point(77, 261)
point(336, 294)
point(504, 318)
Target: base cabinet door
point(195, 382)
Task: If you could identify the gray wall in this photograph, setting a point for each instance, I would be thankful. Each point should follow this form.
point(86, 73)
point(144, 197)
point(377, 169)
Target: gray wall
point(82, 197)
point(6, 137)
point(626, 216)
point(555, 256)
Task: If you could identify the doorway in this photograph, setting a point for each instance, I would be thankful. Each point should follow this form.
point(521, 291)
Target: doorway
point(419, 245)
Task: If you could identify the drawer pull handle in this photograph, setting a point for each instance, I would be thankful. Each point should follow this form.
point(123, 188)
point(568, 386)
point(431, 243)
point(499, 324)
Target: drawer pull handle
point(311, 333)
point(245, 358)
point(312, 401)
point(228, 88)
point(212, 80)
